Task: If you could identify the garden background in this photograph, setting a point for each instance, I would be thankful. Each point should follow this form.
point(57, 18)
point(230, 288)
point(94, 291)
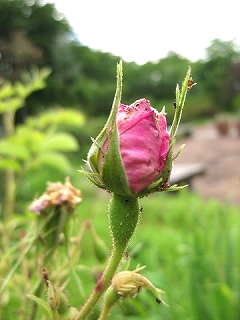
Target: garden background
point(55, 94)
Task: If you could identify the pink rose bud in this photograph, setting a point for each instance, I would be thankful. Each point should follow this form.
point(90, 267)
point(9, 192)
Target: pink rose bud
point(133, 154)
point(144, 143)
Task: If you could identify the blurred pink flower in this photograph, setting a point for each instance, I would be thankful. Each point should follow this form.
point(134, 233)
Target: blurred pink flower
point(57, 194)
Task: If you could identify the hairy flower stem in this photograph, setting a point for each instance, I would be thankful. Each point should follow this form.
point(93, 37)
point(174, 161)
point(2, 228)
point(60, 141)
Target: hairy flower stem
point(105, 312)
point(123, 218)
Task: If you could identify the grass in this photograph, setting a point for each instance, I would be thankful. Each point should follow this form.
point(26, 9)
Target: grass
point(190, 248)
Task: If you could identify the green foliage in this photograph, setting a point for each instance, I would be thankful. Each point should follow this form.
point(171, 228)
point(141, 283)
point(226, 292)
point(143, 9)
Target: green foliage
point(83, 77)
point(40, 143)
point(195, 246)
point(236, 103)
point(41, 24)
point(189, 246)
point(216, 76)
point(13, 96)
point(31, 148)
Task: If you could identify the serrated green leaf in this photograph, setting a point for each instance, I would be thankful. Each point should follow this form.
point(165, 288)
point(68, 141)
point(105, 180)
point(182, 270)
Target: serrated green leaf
point(69, 117)
point(9, 164)
point(20, 89)
point(53, 159)
point(57, 117)
point(9, 148)
point(60, 142)
point(6, 90)
point(11, 104)
point(29, 138)
point(43, 304)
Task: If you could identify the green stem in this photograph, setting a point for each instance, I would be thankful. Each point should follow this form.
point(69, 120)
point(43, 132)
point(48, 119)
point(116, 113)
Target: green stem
point(123, 218)
point(9, 199)
point(111, 297)
point(33, 235)
point(105, 312)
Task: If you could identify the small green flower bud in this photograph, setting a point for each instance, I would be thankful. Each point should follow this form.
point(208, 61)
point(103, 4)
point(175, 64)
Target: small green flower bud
point(130, 283)
point(127, 284)
point(57, 299)
point(53, 296)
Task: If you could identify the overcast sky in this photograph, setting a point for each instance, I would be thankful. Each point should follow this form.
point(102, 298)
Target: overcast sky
point(144, 31)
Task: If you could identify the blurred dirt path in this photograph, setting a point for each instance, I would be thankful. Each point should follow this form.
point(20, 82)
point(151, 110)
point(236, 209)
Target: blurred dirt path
point(220, 156)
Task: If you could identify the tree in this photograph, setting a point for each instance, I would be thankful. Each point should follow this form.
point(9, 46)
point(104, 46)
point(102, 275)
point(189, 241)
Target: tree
point(27, 33)
point(212, 74)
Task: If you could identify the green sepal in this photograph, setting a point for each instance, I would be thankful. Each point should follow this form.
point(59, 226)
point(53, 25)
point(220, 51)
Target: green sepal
point(175, 187)
point(179, 152)
point(180, 101)
point(95, 178)
point(161, 183)
point(101, 138)
point(113, 176)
